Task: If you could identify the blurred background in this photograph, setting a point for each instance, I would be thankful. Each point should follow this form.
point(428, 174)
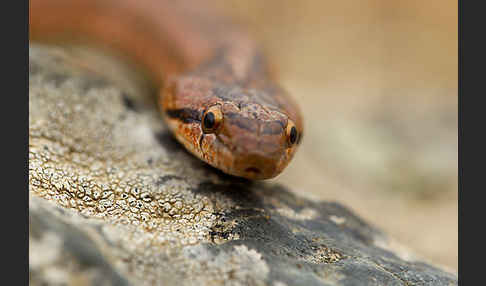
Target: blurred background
point(377, 83)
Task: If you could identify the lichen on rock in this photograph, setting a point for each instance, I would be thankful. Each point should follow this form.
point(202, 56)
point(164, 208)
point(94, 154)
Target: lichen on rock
point(114, 200)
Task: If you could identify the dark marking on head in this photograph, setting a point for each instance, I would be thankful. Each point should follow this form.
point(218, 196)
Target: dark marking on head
point(272, 128)
point(224, 93)
point(242, 122)
point(185, 115)
point(200, 141)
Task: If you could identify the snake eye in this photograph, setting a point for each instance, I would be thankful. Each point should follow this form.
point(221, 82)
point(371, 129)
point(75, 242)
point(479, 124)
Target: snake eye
point(212, 119)
point(292, 133)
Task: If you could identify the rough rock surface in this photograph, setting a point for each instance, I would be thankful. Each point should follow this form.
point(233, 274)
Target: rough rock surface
point(114, 200)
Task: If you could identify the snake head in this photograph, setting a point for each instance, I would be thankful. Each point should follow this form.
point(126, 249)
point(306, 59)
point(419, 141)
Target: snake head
point(246, 132)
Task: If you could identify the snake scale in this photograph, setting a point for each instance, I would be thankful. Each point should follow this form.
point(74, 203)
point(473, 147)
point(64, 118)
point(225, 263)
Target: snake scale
point(217, 93)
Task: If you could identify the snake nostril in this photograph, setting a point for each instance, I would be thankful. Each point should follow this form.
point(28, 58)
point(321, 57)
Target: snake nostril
point(252, 170)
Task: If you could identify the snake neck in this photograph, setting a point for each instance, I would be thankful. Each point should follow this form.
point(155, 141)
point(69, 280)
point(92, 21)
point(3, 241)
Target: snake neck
point(164, 37)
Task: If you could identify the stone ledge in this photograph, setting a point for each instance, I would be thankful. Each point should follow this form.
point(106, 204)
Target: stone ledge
point(114, 200)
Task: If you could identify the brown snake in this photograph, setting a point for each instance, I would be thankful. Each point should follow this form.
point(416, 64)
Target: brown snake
point(217, 94)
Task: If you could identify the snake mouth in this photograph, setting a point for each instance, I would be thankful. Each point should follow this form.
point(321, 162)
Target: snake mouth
point(253, 170)
point(256, 166)
point(253, 165)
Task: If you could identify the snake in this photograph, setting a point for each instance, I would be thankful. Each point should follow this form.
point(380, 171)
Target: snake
point(216, 91)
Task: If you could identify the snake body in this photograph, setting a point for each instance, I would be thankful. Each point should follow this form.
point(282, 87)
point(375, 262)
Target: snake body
point(217, 93)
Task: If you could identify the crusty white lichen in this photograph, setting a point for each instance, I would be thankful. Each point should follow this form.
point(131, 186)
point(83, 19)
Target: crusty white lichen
point(88, 152)
point(242, 266)
point(305, 214)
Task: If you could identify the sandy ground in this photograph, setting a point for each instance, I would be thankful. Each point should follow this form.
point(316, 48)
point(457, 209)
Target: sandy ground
point(377, 83)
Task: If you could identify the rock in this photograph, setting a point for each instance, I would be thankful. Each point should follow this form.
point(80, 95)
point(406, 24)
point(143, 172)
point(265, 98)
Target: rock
point(115, 200)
